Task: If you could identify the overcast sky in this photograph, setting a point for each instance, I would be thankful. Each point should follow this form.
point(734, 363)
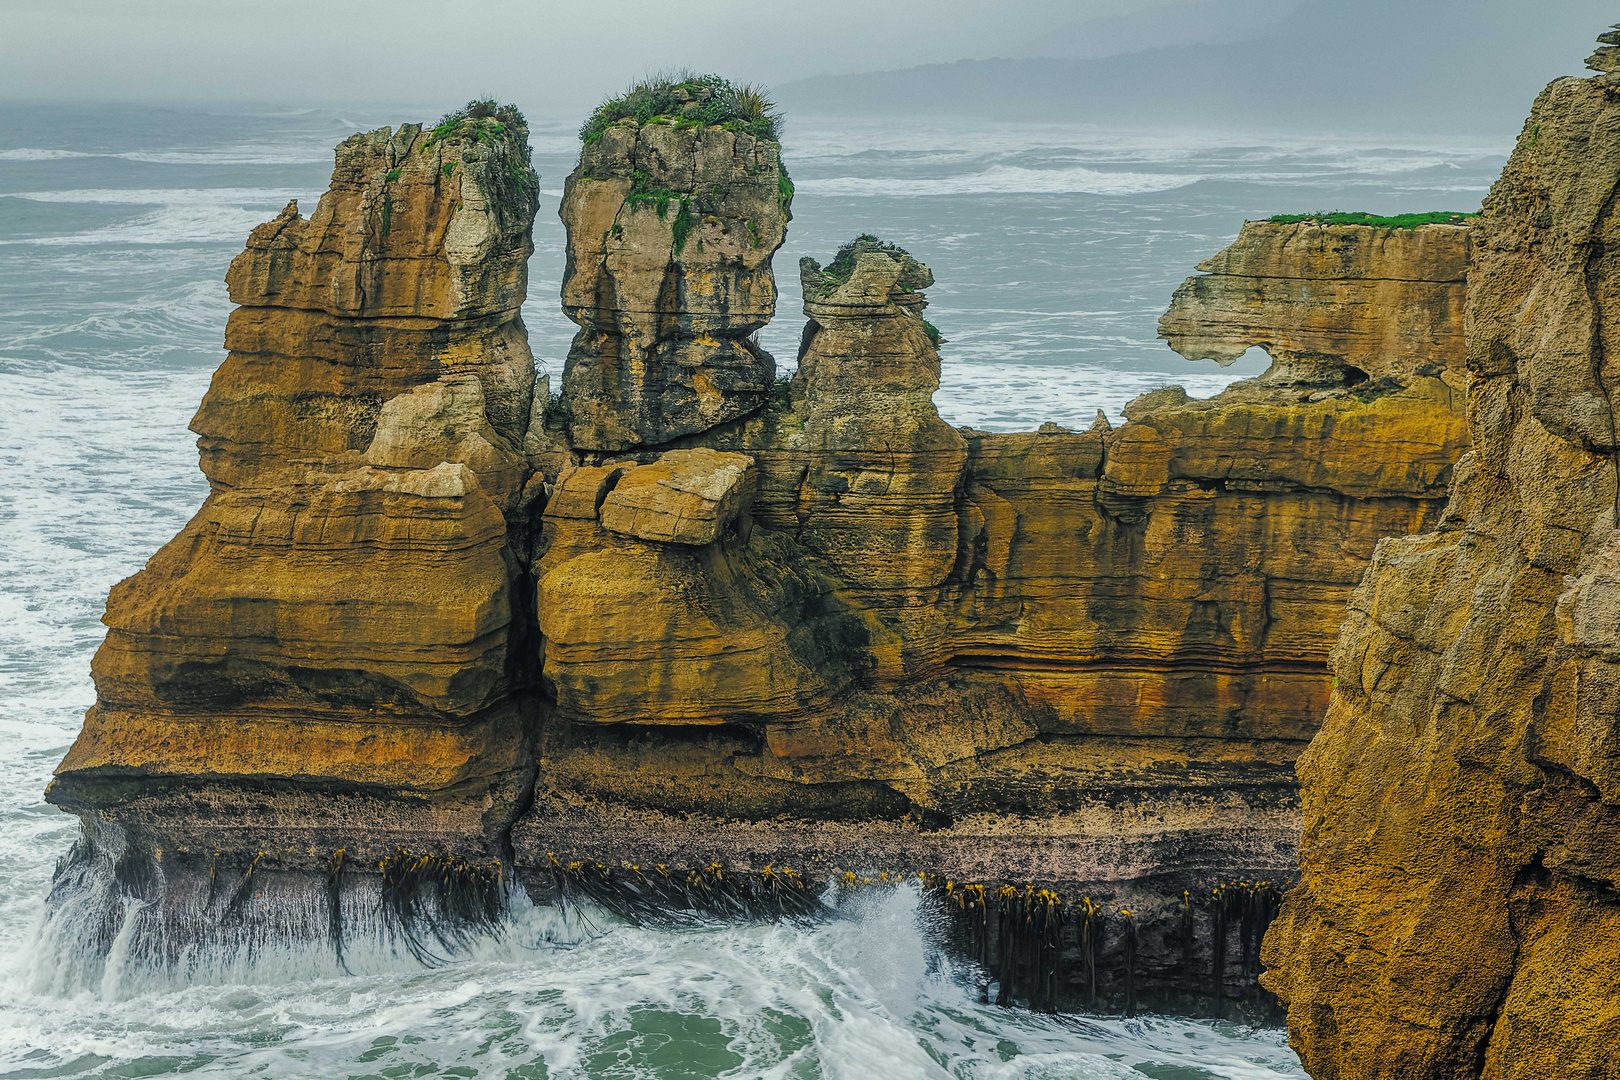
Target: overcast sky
point(411, 50)
point(555, 58)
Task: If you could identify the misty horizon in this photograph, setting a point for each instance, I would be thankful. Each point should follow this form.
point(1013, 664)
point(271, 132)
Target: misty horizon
point(1374, 66)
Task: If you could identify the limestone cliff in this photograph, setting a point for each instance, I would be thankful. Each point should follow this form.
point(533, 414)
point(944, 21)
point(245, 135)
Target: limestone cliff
point(688, 614)
point(1078, 658)
point(337, 635)
point(1457, 916)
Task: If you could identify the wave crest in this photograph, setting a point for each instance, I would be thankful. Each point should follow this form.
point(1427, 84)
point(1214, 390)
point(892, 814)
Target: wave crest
point(1005, 180)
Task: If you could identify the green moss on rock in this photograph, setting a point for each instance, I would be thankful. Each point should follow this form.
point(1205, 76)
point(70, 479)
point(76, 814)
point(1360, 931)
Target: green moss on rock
point(1398, 221)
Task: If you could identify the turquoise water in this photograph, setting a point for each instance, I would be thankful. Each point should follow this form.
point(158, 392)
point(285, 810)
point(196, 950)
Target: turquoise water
point(1055, 250)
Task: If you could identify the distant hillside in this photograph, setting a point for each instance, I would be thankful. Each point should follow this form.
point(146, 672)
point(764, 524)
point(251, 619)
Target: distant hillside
point(1463, 66)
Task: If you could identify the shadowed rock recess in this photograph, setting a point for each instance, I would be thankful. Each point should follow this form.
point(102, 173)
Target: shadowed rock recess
point(1458, 914)
point(688, 637)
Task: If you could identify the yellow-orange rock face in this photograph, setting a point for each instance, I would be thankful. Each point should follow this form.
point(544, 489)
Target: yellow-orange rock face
point(1081, 657)
point(660, 605)
point(1325, 298)
point(1457, 915)
point(685, 497)
point(339, 614)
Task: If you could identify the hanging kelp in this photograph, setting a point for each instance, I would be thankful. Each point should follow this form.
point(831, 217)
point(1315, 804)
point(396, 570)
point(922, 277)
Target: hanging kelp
point(213, 878)
point(334, 902)
point(444, 895)
point(1091, 933)
point(1250, 906)
point(244, 887)
point(1048, 951)
point(1129, 946)
point(659, 894)
point(1189, 935)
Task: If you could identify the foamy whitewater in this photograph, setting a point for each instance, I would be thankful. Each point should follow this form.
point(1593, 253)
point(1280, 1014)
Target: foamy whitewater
point(1055, 249)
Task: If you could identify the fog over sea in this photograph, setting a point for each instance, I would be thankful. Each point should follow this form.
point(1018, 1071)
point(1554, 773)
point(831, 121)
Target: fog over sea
point(1055, 250)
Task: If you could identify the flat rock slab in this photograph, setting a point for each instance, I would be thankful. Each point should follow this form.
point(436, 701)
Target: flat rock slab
point(685, 497)
point(581, 489)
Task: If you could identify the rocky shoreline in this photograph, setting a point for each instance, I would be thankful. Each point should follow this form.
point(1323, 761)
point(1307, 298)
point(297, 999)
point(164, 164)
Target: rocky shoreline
point(681, 611)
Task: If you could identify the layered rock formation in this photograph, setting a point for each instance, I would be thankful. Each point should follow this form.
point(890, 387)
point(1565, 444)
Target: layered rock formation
point(1329, 303)
point(1458, 914)
point(671, 228)
point(685, 614)
point(338, 634)
point(1078, 658)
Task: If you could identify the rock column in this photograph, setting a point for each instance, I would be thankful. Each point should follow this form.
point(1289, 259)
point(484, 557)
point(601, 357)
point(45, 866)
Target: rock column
point(671, 228)
point(324, 657)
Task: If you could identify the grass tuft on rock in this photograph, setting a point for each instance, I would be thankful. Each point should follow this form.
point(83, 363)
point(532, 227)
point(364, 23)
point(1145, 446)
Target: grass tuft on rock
point(1398, 221)
point(687, 99)
point(485, 109)
point(842, 266)
point(485, 120)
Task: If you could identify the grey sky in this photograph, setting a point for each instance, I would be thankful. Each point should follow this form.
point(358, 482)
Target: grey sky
point(564, 52)
point(1439, 64)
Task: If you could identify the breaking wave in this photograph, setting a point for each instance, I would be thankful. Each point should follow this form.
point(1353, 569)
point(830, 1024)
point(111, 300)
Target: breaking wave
point(1003, 180)
point(183, 215)
point(29, 153)
point(855, 995)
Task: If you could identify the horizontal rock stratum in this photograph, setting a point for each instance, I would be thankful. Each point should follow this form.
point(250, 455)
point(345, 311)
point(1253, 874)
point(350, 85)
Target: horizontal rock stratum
point(331, 640)
point(684, 613)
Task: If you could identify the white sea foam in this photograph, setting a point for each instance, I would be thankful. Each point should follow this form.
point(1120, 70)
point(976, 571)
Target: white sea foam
point(243, 155)
point(807, 141)
point(1018, 397)
point(1002, 180)
point(272, 154)
point(859, 995)
point(173, 225)
point(30, 153)
point(186, 215)
point(163, 196)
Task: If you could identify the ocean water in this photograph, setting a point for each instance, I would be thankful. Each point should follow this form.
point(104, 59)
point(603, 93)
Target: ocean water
point(1055, 249)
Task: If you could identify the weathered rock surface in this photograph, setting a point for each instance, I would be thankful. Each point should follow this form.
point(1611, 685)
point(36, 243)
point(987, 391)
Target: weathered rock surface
point(1329, 303)
point(1457, 915)
point(659, 604)
point(684, 611)
point(685, 497)
point(340, 615)
point(671, 229)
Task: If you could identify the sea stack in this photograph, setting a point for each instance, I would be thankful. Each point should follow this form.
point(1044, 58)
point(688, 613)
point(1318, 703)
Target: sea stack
point(672, 223)
point(327, 656)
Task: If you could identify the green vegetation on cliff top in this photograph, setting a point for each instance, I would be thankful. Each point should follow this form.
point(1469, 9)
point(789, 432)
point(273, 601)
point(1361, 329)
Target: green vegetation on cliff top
point(685, 99)
point(1399, 221)
point(484, 109)
point(488, 120)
